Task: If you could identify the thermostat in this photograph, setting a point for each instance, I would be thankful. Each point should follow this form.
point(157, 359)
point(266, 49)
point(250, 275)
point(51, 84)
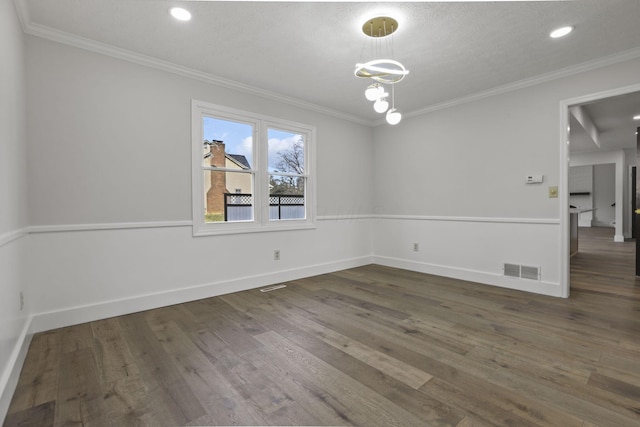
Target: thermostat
point(533, 179)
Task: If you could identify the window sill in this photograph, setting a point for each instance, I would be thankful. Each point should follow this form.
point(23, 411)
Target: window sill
point(224, 229)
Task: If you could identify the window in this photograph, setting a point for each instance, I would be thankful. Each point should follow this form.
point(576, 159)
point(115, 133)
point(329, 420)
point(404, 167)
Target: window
point(250, 172)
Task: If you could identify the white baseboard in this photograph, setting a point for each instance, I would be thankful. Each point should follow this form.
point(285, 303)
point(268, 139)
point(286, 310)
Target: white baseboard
point(11, 374)
point(91, 312)
point(482, 277)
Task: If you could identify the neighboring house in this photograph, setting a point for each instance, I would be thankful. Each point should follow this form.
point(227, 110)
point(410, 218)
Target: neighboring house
point(219, 183)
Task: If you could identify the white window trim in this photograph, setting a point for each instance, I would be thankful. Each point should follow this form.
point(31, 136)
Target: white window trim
point(261, 124)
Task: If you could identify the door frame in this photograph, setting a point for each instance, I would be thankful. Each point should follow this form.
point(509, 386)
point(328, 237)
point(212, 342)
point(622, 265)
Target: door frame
point(563, 184)
point(633, 170)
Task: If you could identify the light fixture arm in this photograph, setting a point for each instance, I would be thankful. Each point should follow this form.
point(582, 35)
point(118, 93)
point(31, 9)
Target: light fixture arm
point(393, 96)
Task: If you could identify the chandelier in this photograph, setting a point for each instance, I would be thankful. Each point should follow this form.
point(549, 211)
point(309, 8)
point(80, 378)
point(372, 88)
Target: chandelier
point(381, 72)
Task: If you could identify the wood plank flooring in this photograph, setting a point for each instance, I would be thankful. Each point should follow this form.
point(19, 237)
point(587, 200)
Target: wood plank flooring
point(369, 346)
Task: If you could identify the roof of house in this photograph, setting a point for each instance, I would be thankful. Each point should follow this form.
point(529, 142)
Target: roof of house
point(240, 160)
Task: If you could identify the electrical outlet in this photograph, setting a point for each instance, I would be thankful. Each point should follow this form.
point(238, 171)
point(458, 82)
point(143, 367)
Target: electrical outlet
point(21, 300)
point(416, 247)
point(276, 254)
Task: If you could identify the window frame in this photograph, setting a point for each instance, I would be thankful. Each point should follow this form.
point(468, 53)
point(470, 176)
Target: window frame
point(259, 171)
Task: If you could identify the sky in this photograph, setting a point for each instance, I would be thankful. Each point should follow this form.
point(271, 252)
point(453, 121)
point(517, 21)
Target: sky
point(238, 139)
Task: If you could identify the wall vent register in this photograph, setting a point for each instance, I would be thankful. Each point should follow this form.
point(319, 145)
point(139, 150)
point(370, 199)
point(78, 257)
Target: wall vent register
point(521, 271)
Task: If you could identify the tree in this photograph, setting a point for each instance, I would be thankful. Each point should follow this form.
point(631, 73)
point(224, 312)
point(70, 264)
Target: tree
point(291, 161)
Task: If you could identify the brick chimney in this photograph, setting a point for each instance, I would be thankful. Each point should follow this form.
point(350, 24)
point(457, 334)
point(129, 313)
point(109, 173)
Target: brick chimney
point(217, 153)
point(215, 195)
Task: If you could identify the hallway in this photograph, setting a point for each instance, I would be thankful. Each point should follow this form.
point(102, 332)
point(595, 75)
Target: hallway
point(603, 266)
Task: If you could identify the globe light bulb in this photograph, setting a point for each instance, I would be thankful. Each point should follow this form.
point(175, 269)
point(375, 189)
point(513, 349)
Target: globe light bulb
point(381, 105)
point(393, 116)
point(374, 92)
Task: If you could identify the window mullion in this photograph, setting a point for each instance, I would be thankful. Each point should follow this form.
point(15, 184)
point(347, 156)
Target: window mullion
point(261, 166)
point(219, 169)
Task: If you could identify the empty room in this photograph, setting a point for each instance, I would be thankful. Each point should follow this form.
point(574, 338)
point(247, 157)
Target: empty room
point(319, 213)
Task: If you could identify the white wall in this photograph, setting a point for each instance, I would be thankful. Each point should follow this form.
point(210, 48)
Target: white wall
point(13, 202)
point(109, 147)
point(604, 194)
point(466, 164)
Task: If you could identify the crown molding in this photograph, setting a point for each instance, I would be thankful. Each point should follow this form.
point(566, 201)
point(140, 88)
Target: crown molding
point(69, 39)
point(521, 84)
point(62, 37)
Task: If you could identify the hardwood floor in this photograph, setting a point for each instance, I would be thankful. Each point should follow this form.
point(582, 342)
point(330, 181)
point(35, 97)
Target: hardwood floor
point(370, 346)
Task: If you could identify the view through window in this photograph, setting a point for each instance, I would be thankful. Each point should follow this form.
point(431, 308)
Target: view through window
point(252, 171)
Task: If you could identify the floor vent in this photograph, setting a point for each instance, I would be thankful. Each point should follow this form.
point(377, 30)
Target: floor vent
point(522, 271)
point(272, 288)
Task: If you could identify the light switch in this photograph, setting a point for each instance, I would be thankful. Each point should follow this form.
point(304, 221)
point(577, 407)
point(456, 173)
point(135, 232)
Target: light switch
point(553, 192)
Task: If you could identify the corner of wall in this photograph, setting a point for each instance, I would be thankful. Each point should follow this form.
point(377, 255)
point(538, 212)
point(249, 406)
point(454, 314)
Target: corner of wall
point(11, 374)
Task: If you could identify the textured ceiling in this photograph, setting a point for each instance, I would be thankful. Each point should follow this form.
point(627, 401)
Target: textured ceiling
point(308, 50)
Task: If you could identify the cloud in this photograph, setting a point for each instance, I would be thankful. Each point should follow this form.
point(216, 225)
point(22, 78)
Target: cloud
point(244, 148)
point(277, 145)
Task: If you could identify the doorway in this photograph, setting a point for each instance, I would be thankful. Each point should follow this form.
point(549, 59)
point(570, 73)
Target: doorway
point(617, 98)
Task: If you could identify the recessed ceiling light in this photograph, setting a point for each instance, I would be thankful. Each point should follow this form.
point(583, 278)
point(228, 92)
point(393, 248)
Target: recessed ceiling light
point(636, 117)
point(560, 32)
point(180, 13)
